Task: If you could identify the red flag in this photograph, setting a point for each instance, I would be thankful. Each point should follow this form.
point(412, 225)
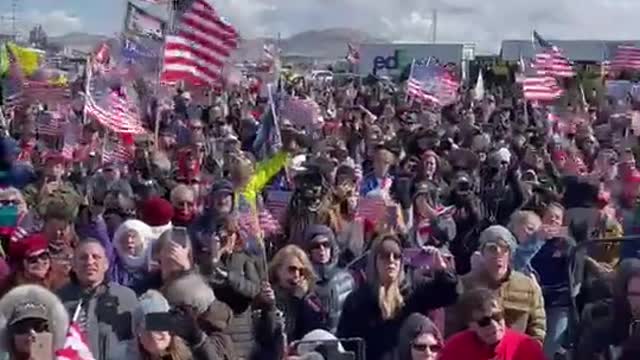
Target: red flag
point(75, 346)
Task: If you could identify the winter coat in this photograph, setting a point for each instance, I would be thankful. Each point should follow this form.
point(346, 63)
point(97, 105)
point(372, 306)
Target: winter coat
point(333, 287)
point(362, 317)
point(522, 300)
point(302, 314)
point(105, 316)
point(131, 351)
point(606, 333)
point(237, 290)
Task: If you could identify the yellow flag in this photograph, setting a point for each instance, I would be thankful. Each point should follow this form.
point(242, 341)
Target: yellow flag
point(28, 59)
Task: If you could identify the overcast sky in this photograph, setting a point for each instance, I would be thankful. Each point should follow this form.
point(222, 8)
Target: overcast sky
point(483, 22)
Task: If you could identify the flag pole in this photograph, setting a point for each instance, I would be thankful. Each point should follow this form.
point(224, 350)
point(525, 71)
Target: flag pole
point(413, 62)
point(87, 87)
point(76, 313)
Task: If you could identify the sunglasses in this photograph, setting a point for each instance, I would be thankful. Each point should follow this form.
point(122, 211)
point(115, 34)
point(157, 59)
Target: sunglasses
point(320, 244)
point(14, 202)
point(390, 255)
point(295, 269)
point(424, 347)
point(40, 257)
point(487, 320)
point(25, 327)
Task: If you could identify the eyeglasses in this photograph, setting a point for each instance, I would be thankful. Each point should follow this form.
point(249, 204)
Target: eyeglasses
point(424, 347)
point(25, 327)
point(487, 320)
point(40, 257)
point(496, 249)
point(320, 244)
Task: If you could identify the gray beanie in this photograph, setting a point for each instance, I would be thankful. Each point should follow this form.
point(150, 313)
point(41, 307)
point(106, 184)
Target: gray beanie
point(150, 302)
point(495, 233)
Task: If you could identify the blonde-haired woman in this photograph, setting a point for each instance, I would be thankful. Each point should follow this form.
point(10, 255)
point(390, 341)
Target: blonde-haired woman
point(379, 307)
point(291, 292)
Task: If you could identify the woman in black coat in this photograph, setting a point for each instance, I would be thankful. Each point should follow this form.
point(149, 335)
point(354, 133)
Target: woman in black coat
point(378, 308)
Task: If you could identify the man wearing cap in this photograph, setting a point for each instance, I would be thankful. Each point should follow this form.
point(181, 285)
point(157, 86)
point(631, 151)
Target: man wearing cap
point(521, 296)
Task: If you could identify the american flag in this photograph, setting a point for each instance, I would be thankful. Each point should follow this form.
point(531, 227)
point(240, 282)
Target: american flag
point(550, 61)
point(627, 58)
point(201, 46)
point(49, 123)
point(277, 202)
point(432, 84)
point(71, 135)
point(116, 152)
point(116, 114)
point(538, 87)
point(353, 55)
point(75, 345)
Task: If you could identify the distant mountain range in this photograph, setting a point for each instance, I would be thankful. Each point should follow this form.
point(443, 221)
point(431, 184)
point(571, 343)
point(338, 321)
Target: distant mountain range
point(321, 44)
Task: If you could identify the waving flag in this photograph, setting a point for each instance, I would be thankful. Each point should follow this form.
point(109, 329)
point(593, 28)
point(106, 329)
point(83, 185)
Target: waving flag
point(550, 61)
point(110, 108)
point(75, 346)
point(201, 46)
point(268, 139)
point(142, 23)
point(538, 87)
point(627, 58)
point(431, 83)
point(116, 152)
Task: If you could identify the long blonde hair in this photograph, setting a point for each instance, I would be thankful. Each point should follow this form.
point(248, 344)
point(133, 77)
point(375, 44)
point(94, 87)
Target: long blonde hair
point(292, 251)
point(177, 350)
point(390, 299)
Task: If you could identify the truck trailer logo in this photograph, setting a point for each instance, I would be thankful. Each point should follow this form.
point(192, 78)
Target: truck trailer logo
point(397, 62)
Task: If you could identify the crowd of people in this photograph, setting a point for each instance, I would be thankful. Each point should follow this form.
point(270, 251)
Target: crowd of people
point(466, 251)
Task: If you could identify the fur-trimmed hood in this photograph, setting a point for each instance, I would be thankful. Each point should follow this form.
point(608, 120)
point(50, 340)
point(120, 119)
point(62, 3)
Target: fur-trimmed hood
point(35, 294)
point(190, 289)
point(145, 235)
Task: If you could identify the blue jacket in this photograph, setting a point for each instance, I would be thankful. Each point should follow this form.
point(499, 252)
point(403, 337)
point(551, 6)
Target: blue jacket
point(551, 264)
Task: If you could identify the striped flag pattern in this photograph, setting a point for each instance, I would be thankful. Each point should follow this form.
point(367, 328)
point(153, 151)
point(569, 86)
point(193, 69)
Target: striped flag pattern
point(372, 208)
point(627, 58)
point(71, 135)
point(49, 123)
point(537, 87)
point(75, 346)
point(116, 152)
point(201, 46)
point(432, 84)
point(117, 114)
point(277, 202)
point(550, 61)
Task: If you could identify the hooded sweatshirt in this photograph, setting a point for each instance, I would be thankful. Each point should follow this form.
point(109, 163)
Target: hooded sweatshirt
point(334, 284)
point(415, 325)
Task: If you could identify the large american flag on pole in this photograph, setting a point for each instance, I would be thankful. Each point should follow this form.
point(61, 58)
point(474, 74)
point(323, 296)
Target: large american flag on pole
point(627, 57)
point(432, 84)
point(198, 51)
point(353, 55)
point(550, 61)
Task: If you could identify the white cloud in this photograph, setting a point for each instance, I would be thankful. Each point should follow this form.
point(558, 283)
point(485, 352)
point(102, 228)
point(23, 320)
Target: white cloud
point(483, 22)
point(56, 22)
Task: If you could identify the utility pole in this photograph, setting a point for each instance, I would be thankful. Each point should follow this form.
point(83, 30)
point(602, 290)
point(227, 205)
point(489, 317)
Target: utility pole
point(14, 34)
point(434, 26)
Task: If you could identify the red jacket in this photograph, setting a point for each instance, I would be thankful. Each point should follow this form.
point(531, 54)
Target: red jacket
point(514, 346)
